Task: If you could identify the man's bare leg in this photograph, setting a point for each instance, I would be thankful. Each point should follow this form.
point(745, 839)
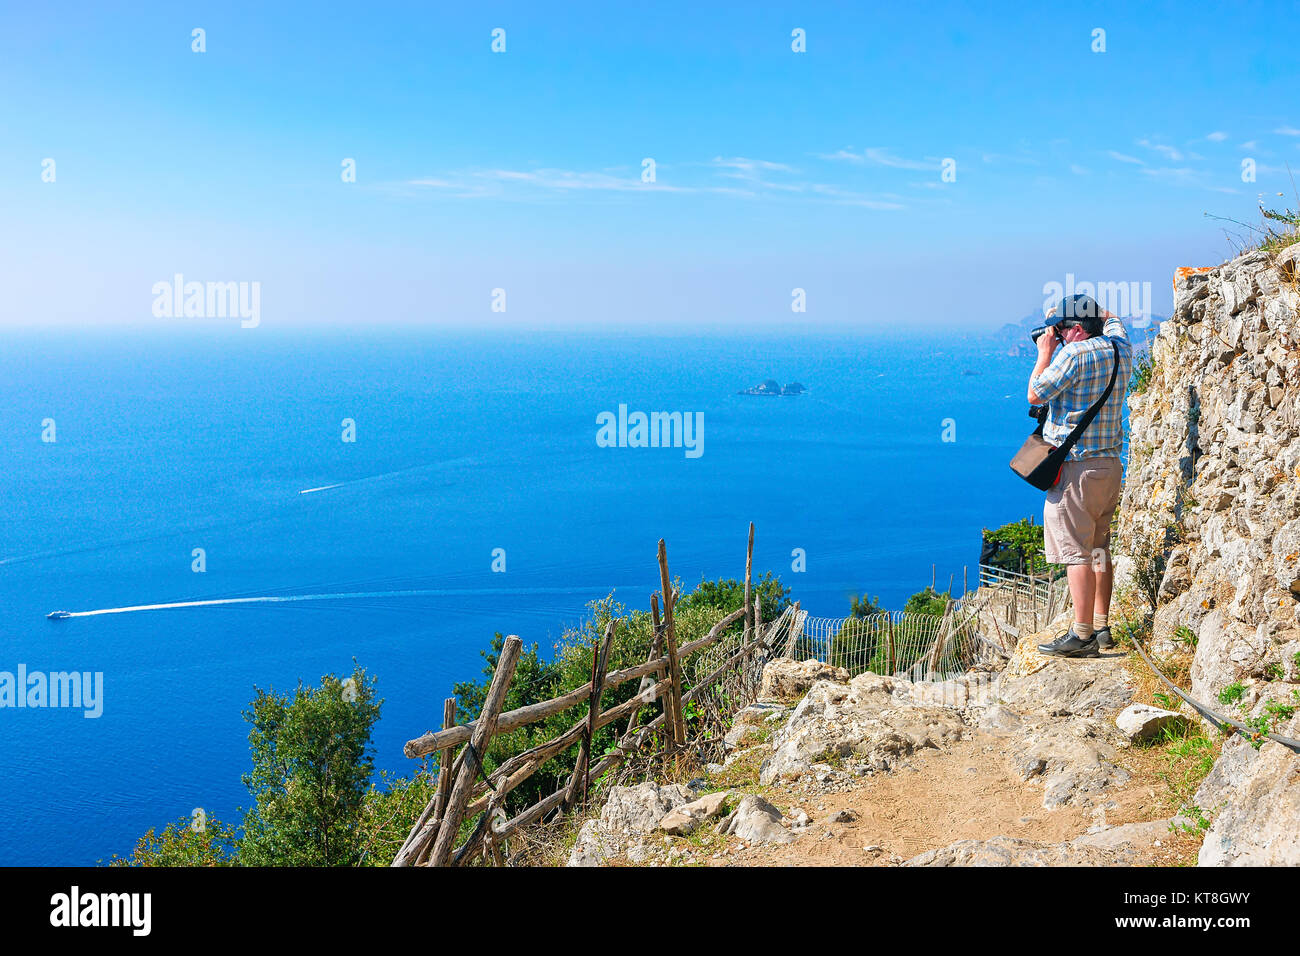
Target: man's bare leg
point(1083, 589)
point(1101, 601)
point(1078, 641)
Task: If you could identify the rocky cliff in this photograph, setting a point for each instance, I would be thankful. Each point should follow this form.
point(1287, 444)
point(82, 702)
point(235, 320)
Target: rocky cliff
point(1210, 527)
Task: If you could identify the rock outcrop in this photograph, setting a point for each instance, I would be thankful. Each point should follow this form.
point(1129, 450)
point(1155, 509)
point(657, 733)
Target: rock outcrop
point(1210, 522)
point(1055, 719)
point(757, 821)
point(785, 679)
point(629, 816)
point(868, 723)
point(1050, 721)
point(1142, 722)
point(1112, 846)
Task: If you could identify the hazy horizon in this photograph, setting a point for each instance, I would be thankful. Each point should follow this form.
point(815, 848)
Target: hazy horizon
point(130, 158)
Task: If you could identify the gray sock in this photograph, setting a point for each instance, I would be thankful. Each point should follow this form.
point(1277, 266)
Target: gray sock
point(1082, 630)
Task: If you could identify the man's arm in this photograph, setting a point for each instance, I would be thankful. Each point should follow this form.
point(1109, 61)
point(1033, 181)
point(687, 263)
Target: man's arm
point(1114, 327)
point(1047, 343)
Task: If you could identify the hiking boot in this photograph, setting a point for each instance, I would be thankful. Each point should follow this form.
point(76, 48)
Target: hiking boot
point(1104, 641)
point(1070, 644)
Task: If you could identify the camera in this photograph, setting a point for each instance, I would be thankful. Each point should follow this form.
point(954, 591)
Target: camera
point(1035, 334)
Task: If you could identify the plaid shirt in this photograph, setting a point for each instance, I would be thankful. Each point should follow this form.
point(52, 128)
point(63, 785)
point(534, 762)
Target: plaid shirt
point(1075, 379)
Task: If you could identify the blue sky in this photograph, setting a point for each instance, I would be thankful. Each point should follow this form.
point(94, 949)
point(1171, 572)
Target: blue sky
point(522, 170)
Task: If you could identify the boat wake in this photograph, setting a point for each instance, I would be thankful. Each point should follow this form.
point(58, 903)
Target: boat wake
point(338, 596)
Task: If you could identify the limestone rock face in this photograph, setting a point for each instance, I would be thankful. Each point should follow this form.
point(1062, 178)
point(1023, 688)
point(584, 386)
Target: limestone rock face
point(1213, 491)
point(784, 679)
point(1253, 798)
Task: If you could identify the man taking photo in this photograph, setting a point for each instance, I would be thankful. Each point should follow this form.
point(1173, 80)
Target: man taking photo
point(1076, 354)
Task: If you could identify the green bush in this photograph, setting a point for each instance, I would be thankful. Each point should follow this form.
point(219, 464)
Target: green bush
point(312, 764)
point(190, 841)
point(1142, 368)
point(1019, 548)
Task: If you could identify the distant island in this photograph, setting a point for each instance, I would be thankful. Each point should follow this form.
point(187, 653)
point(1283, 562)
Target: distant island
point(773, 387)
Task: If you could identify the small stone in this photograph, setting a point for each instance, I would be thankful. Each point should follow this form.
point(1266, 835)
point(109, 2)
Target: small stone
point(1144, 722)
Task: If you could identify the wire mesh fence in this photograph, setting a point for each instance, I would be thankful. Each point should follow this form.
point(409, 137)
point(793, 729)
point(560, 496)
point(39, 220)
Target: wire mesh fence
point(892, 643)
point(741, 674)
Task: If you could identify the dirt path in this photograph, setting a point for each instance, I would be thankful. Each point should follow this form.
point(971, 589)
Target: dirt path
point(969, 792)
point(970, 789)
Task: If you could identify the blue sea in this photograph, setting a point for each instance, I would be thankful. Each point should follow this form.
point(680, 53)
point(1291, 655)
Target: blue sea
point(464, 444)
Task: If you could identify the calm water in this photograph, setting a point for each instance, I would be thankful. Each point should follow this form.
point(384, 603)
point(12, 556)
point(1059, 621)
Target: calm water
point(464, 444)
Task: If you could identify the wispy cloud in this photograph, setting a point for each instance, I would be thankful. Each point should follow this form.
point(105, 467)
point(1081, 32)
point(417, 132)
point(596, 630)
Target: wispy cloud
point(750, 167)
point(1167, 151)
point(565, 179)
point(1019, 159)
point(845, 197)
point(879, 156)
point(1287, 131)
point(756, 173)
point(488, 183)
point(738, 177)
point(1078, 170)
point(1217, 136)
point(1186, 176)
point(1124, 158)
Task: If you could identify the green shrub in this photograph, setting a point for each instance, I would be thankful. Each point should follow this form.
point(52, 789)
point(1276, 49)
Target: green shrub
point(1019, 548)
point(312, 763)
point(1142, 368)
point(190, 841)
point(1232, 694)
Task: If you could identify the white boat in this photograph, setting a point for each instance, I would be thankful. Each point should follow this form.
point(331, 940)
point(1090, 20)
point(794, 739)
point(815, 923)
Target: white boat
point(58, 615)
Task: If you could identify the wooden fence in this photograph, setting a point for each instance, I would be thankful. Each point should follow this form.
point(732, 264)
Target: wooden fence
point(466, 791)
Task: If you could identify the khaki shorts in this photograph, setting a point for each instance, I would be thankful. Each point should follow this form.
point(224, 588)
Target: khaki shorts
point(1077, 513)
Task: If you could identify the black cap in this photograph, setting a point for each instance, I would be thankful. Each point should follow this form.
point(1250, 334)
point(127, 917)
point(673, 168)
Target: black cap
point(1078, 310)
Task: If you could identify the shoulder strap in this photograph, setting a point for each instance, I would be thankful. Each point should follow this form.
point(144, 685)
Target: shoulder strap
point(1077, 432)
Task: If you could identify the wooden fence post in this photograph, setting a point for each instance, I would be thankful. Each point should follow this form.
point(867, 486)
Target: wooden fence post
point(670, 636)
point(578, 783)
point(749, 567)
point(419, 839)
point(449, 828)
point(444, 760)
point(945, 624)
point(889, 644)
point(647, 682)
